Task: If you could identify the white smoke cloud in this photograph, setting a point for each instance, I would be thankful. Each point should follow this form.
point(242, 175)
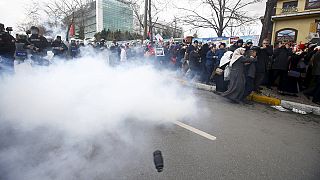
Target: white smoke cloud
point(68, 120)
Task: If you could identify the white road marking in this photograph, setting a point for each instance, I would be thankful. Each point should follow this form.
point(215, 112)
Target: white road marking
point(195, 130)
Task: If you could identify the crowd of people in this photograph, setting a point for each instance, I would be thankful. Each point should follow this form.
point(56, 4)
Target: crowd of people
point(236, 71)
point(242, 68)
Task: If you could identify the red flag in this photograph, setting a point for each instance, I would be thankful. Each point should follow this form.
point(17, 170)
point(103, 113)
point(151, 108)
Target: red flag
point(149, 34)
point(72, 30)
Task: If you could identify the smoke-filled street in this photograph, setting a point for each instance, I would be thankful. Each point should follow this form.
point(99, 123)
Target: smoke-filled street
point(96, 125)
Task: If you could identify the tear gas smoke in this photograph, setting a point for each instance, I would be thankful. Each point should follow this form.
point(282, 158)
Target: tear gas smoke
point(68, 120)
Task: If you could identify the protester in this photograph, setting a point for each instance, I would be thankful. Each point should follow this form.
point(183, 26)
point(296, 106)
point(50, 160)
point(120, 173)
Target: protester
point(221, 83)
point(236, 88)
point(236, 45)
point(248, 45)
point(220, 52)
point(211, 59)
point(280, 65)
point(250, 72)
point(263, 59)
point(180, 56)
point(291, 86)
point(194, 61)
point(203, 50)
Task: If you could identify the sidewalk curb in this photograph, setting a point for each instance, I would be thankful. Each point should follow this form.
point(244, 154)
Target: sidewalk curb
point(259, 98)
point(307, 108)
point(197, 85)
point(264, 99)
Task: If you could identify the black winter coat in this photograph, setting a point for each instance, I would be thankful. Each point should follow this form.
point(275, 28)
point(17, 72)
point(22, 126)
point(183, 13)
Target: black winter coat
point(281, 58)
point(263, 56)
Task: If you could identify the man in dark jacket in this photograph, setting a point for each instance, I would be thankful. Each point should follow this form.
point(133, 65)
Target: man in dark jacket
point(74, 50)
point(236, 45)
point(7, 49)
point(219, 53)
point(194, 63)
point(38, 45)
point(210, 62)
point(59, 49)
point(316, 73)
point(203, 53)
point(263, 57)
point(280, 65)
point(250, 72)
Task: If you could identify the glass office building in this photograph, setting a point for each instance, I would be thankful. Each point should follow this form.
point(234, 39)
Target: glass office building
point(108, 14)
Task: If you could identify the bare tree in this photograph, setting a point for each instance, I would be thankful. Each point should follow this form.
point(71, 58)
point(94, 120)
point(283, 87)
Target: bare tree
point(154, 8)
point(68, 12)
point(223, 14)
point(247, 31)
point(32, 14)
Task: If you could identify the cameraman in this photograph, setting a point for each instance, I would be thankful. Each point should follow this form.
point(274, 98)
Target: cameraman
point(38, 45)
point(7, 49)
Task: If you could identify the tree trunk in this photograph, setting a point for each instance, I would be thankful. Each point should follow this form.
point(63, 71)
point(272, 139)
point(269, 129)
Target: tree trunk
point(150, 23)
point(145, 33)
point(220, 32)
point(267, 24)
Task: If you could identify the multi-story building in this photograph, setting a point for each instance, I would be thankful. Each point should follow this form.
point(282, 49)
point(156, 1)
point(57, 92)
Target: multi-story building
point(107, 14)
point(296, 21)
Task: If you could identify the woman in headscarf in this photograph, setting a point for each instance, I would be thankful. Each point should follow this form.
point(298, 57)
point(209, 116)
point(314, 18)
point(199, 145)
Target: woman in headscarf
point(237, 85)
point(221, 83)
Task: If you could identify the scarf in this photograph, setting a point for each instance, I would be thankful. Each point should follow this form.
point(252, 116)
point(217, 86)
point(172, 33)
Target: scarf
point(225, 58)
point(236, 55)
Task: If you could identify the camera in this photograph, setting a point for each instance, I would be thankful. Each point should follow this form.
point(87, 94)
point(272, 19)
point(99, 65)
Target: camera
point(8, 29)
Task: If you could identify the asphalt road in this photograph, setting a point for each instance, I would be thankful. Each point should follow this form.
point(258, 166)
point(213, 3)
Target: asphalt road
point(252, 142)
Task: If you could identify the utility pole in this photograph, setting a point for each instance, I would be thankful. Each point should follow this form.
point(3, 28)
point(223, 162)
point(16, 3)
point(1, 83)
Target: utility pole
point(150, 23)
point(145, 24)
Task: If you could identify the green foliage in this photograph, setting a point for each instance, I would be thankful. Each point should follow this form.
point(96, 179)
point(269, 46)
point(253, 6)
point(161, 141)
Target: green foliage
point(116, 35)
point(80, 33)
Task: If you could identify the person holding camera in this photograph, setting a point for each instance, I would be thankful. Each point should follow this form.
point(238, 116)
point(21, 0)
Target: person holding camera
point(7, 49)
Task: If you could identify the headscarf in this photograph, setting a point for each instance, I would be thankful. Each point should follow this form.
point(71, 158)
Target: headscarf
point(237, 54)
point(225, 58)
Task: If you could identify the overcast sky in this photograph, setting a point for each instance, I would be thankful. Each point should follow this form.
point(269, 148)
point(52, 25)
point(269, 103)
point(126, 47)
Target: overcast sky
point(13, 11)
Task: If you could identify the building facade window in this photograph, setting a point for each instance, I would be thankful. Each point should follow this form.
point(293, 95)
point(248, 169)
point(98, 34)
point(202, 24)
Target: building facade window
point(286, 35)
point(290, 4)
point(312, 4)
point(289, 7)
